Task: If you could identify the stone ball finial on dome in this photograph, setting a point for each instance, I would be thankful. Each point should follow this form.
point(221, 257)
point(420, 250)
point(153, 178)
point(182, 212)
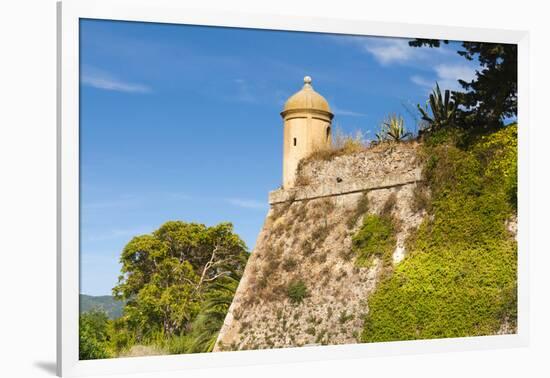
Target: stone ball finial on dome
point(308, 100)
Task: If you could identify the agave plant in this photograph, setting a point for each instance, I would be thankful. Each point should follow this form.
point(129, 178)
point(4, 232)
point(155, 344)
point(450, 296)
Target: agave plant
point(443, 109)
point(393, 129)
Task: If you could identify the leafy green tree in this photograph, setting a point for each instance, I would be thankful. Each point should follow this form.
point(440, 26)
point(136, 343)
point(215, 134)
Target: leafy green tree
point(442, 108)
point(94, 335)
point(491, 96)
point(166, 274)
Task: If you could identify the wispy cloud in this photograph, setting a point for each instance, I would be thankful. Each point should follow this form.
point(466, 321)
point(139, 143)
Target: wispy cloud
point(100, 79)
point(243, 92)
point(390, 50)
point(344, 112)
point(447, 76)
point(116, 234)
point(393, 50)
point(422, 81)
point(247, 203)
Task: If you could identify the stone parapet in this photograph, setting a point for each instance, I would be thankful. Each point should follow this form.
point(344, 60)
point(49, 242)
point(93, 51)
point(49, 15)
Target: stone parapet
point(338, 186)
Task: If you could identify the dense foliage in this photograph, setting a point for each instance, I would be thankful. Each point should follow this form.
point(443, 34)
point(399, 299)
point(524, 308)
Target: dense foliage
point(177, 284)
point(94, 335)
point(459, 278)
point(491, 97)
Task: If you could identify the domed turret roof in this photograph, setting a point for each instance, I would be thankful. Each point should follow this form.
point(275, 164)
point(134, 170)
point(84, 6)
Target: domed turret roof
point(307, 99)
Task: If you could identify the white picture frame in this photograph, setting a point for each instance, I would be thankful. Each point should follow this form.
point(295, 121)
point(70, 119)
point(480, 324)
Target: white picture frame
point(173, 11)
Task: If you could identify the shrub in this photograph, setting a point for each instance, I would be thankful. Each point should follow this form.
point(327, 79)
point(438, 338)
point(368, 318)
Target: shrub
point(320, 339)
point(342, 144)
point(307, 248)
point(289, 264)
point(347, 143)
point(179, 344)
point(310, 331)
point(262, 282)
point(94, 335)
point(297, 291)
point(122, 338)
point(320, 233)
point(375, 238)
point(272, 265)
point(345, 317)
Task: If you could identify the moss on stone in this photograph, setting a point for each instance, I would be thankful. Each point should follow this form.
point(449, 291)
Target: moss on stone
point(460, 276)
point(375, 238)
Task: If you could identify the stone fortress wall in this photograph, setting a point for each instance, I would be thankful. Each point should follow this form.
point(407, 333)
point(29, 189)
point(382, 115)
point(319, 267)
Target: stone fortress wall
point(377, 168)
point(309, 225)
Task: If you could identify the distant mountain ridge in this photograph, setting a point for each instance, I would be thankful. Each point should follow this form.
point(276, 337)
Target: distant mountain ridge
point(107, 303)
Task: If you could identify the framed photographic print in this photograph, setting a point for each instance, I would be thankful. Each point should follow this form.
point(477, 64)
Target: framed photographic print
point(237, 187)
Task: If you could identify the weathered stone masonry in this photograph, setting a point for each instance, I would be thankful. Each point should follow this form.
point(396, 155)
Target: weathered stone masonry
point(307, 236)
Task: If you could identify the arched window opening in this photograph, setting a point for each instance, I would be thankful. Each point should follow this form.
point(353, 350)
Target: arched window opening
point(294, 141)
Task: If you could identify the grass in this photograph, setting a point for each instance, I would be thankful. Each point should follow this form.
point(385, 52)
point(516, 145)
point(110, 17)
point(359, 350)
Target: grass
point(460, 276)
point(307, 248)
point(297, 291)
point(345, 317)
point(320, 339)
point(311, 331)
point(289, 264)
point(343, 144)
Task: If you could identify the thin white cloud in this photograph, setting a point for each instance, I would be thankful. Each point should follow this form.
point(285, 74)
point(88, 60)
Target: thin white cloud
point(447, 76)
point(116, 234)
point(247, 203)
point(243, 92)
point(422, 81)
point(390, 50)
point(345, 112)
point(99, 79)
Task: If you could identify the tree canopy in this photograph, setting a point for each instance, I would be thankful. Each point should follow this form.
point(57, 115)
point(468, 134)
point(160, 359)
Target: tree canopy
point(491, 97)
point(166, 275)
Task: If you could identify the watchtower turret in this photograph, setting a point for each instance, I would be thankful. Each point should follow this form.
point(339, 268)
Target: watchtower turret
point(307, 120)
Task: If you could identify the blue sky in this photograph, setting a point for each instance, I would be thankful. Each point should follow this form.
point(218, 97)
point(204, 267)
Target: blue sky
point(182, 122)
